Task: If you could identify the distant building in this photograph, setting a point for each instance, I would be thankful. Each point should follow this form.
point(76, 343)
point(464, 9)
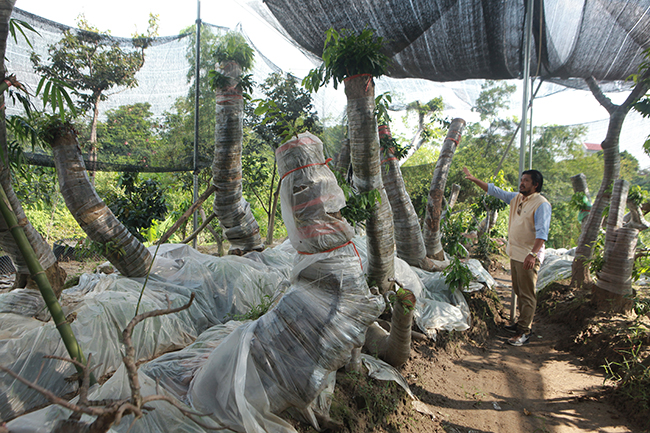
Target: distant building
point(591, 148)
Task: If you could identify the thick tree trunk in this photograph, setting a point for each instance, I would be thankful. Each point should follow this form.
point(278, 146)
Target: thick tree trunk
point(437, 190)
point(579, 184)
point(408, 234)
point(364, 152)
point(43, 251)
point(119, 246)
point(342, 162)
point(580, 270)
point(394, 347)
point(233, 211)
point(613, 287)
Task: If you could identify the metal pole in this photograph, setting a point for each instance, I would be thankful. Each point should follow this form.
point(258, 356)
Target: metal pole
point(195, 219)
point(530, 131)
point(528, 29)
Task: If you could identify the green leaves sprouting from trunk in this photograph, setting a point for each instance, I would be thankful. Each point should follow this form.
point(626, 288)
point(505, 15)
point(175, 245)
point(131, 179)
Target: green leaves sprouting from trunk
point(347, 54)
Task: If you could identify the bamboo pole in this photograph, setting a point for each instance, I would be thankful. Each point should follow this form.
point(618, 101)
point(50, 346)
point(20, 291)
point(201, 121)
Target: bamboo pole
point(208, 192)
point(194, 234)
point(44, 286)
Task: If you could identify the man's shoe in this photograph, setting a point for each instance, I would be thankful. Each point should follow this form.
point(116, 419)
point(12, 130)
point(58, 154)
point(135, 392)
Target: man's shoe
point(511, 328)
point(519, 339)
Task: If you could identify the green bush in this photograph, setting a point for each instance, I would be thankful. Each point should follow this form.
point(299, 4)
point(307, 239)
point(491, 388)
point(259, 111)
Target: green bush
point(54, 224)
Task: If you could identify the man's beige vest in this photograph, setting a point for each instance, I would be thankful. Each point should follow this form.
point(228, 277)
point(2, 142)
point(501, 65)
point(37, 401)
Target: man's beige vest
point(521, 227)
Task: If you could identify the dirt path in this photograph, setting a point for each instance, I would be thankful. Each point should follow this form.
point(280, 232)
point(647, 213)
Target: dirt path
point(501, 388)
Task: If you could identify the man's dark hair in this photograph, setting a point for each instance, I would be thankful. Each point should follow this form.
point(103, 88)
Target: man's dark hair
point(536, 177)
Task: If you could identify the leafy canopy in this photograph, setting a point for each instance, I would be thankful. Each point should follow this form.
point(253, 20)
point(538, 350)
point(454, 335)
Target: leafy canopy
point(91, 63)
point(232, 47)
point(346, 54)
point(286, 111)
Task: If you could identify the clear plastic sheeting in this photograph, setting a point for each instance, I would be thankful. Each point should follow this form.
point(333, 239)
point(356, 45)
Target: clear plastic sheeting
point(285, 359)
point(163, 418)
point(557, 266)
point(439, 307)
point(281, 361)
point(380, 370)
point(311, 194)
point(104, 304)
point(109, 299)
point(26, 302)
point(481, 275)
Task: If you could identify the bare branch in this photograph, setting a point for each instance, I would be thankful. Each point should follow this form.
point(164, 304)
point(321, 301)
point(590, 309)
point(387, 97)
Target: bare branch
point(129, 357)
point(600, 96)
point(52, 397)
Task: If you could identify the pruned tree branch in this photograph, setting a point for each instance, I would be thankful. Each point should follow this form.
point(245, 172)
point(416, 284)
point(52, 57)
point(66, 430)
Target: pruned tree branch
point(600, 96)
point(111, 412)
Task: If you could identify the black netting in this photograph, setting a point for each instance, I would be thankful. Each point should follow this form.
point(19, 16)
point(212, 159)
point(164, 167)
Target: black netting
point(450, 40)
point(432, 41)
point(165, 78)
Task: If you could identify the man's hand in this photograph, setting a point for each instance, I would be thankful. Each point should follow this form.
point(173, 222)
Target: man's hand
point(529, 262)
point(480, 183)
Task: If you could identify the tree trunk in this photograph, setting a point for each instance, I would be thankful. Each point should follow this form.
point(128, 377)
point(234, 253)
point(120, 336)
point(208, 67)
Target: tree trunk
point(43, 251)
point(232, 209)
point(453, 197)
point(343, 158)
point(579, 183)
point(613, 288)
point(580, 269)
point(437, 191)
point(119, 246)
point(488, 222)
point(408, 235)
point(364, 153)
point(394, 347)
point(92, 153)
point(274, 209)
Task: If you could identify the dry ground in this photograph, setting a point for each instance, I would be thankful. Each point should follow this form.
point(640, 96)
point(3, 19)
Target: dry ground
point(476, 382)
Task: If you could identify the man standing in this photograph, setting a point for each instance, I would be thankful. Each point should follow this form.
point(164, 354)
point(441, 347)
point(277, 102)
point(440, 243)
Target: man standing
point(530, 218)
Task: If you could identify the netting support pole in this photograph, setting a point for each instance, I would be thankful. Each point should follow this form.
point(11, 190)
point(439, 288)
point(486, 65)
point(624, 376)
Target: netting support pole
point(528, 25)
point(197, 70)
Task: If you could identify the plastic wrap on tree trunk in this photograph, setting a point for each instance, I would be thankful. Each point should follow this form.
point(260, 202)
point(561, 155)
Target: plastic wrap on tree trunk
point(283, 360)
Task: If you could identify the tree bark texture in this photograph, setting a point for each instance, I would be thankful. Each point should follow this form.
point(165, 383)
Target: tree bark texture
point(394, 347)
point(408, 234)
point(453, 198)
point(342, 160)
point(437, 190)
point(579, 184)
point(120, 247)
point(620, 245)
point(43, 251)
point(364, 154)
point(611, 157)
point(233, 211)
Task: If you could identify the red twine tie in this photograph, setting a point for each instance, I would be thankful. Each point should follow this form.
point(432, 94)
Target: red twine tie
point(305, 166)
point(336, 248)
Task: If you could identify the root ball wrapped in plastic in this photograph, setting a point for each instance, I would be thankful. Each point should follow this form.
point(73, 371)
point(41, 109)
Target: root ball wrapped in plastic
point(311, 194)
